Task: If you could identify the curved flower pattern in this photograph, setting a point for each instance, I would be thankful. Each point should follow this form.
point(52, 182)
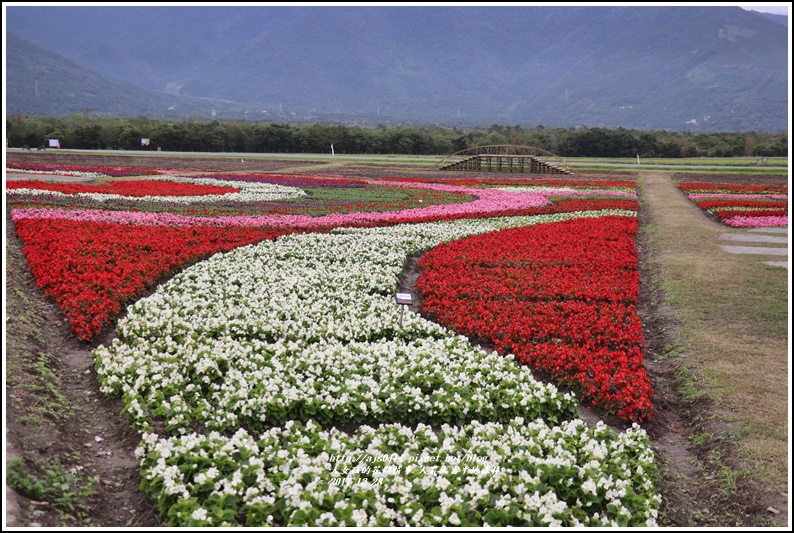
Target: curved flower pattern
point(741, 205)
point(172, 189)
point(248, 358)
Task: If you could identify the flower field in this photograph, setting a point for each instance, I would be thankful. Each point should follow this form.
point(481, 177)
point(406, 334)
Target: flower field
point(740, 206)
point(275, 382)
point(561, 297)
point(71, 170)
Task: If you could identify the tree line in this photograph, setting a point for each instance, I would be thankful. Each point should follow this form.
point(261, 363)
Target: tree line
point(86, 132)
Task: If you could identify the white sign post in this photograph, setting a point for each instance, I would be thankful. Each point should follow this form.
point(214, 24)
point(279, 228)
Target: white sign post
point(403, 299)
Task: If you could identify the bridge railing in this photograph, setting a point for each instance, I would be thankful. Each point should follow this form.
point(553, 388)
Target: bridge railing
point(505, 158)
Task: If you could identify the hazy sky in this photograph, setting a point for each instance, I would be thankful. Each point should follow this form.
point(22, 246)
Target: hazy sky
point(776, 9)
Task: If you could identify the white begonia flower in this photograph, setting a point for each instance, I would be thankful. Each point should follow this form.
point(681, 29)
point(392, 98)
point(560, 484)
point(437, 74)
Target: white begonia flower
point(201, 514)
point(321, 332)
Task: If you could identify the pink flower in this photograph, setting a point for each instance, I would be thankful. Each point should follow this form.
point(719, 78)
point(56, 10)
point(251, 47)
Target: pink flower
point(757, 222)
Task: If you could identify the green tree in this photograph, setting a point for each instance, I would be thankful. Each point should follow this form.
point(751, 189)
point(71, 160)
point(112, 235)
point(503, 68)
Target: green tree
point(648, 145)
point(169, 136)
point(30, 132)
point(129, 138)
point(89, 137)
point(110, 130)
point(234, 137)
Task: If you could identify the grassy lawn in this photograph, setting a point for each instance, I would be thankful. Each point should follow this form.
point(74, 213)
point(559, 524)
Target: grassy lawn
point(733, 316)
point(431, 160)
point(413, 160)
point(704, 161)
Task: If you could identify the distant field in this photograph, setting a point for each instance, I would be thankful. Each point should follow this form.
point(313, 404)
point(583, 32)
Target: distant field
point(754, 162)
point(756, 165)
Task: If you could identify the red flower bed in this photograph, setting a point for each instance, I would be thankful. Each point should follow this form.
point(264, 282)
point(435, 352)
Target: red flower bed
point(91, 268)
point(754, 202)
point(736, 188)
point(731, 213)
point(126, 188)
point(716, 204)
point(561, 297)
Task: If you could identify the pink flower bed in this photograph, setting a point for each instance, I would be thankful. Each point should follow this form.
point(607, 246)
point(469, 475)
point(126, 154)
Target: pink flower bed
point(757, 222)
point(739, 205)
point(488, 201)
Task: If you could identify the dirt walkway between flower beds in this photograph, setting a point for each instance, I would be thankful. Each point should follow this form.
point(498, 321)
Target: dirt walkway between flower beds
point(22, 176)
point(57, 419)
point(734, 380)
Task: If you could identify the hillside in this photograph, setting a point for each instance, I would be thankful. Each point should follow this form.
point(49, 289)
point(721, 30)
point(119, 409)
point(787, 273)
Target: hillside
point(43, 83)
point(37, 79)
point(698, 68)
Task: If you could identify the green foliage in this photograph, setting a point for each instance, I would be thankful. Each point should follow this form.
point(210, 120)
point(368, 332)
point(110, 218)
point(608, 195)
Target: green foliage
point(85, 131)
point(67, 489)
point(689, 385)
point(611, 485)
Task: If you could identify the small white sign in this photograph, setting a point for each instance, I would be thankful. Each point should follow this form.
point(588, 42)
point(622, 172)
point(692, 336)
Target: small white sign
point(404, 298)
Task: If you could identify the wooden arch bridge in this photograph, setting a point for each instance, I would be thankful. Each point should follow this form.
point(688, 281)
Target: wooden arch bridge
point(507, 158)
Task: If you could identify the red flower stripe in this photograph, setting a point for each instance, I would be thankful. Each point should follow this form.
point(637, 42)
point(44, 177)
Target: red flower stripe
point(731, 213)
point(561, 297)
point(712, 204)
point(126, 188)
point(91, 269)
point(763, 188)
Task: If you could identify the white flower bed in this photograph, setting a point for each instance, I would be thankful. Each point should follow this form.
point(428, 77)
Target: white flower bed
point(307, 328)
point(520, 473)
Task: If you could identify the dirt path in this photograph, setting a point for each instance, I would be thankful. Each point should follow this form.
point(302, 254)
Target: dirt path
point(703, 341)
point(57, 419)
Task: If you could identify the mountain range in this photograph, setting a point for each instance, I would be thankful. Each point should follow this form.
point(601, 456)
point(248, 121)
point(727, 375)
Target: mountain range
point(680, 68)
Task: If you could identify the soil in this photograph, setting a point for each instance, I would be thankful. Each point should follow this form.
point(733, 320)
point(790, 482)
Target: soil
point(775, 179)
point(105, 442)
point(92, 435)
point(159, 161)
